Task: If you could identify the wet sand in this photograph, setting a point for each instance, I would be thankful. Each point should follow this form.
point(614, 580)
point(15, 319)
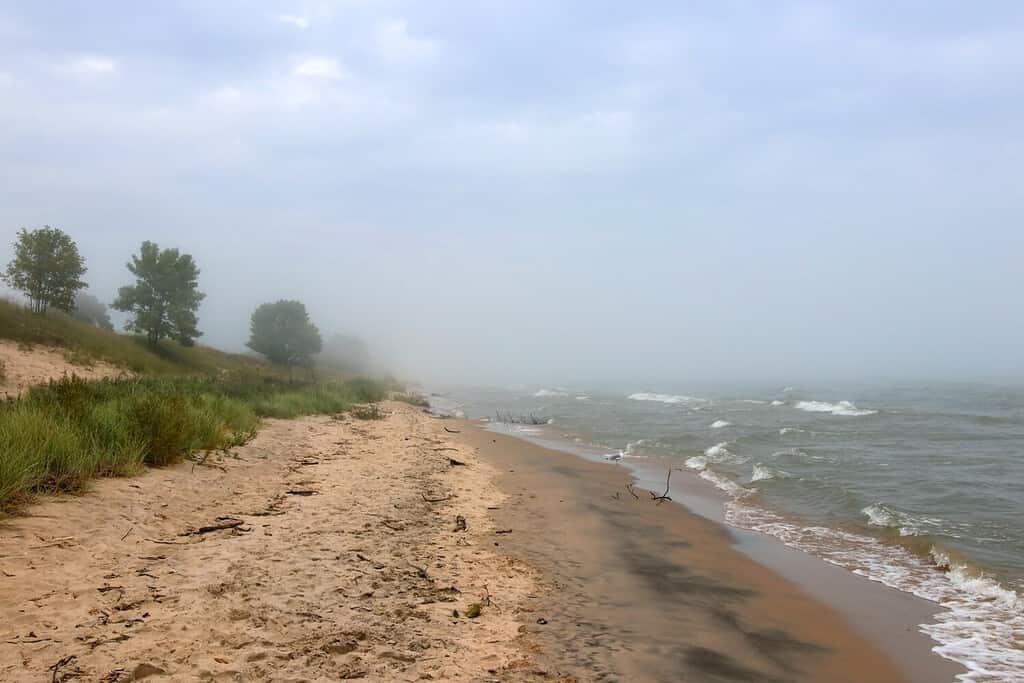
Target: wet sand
point(641, 591)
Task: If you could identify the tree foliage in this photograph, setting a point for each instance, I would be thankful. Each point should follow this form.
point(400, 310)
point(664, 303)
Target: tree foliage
point(91, 310)
point(282, 332)
point(347, 353)
point(165, 297)
point(47, 268)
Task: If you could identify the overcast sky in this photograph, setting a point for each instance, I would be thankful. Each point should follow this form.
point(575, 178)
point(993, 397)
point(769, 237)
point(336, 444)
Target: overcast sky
point(549, 191)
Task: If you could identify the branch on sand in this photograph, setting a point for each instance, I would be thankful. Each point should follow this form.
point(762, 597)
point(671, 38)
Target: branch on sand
point(435, 500)
point(663, 497)
point(222, 524)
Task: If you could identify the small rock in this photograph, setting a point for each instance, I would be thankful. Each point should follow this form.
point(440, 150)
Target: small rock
point(145, 670)
point(542, 621)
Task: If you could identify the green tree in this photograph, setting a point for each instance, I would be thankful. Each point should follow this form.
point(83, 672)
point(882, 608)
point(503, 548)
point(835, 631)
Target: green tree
point(47, 268)
point(165, 297)
point(283, 333)
point(91, 310)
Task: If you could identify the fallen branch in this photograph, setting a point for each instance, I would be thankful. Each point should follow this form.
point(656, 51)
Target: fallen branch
point(663, 497)
point(55, 669)
point(503, 531)
point(452, 431)
point(435, 500)
point(302, 492)
point(223, 523)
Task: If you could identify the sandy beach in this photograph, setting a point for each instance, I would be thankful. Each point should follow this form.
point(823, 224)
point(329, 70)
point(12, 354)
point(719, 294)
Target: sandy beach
point(330, 549)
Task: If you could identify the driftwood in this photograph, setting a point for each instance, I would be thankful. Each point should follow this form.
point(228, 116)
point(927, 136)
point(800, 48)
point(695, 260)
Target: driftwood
point(222, 524)
point(446, 448)
point(435, 500)
point(302, 492)
point(62, 663)
point(629, 487)
point(503, 531)
point(126, 533)
point(663, 497)
point(452, 431)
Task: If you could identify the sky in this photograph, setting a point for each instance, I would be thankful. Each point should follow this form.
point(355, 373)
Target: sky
point(649, 193)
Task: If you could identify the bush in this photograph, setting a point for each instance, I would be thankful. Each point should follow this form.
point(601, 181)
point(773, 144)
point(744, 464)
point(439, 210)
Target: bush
point(412, 399)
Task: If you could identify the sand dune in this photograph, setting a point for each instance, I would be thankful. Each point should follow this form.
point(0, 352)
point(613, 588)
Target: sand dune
point(25, 366)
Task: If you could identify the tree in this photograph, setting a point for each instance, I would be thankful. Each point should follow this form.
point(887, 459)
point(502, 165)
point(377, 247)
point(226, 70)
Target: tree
point(165, 297)
point(91, 310)
point(282, 332)
point(347, 353)
point(47, 268)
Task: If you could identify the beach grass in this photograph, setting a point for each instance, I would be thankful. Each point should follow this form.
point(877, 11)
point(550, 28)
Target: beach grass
point(58, 436)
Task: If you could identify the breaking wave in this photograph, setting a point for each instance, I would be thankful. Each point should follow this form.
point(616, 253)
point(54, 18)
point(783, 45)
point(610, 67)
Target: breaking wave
point(844, 408)
point(718, 424)
point(670, 399)
point(549, 393)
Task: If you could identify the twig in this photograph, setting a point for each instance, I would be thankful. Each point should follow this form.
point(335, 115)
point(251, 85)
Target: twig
point(223, 523)
point(64, 661)
point(126, 533)
point(302, 492)
point(446, 448)
point(435, 500)
point(503, 531)
point(452, 431)
point(663, 497)
point(629, 487)
point(157, 540)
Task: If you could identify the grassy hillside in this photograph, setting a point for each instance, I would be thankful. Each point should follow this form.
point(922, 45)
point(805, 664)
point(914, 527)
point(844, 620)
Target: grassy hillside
point(85, 343)
point(57, 436)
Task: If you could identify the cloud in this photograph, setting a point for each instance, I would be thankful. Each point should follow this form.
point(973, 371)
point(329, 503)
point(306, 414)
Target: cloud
point(394, 44)
point(294, 20)
point(88, 66)
point(318, 67)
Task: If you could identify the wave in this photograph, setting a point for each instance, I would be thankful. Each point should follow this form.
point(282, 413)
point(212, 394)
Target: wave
point(582, 398)
point(718, 424)
point(764, 472)
point(720, 453)
point(777, 402)
point(981, 617)
point(670, 399)
point(792, 430)
point(549, 393)
point(844, 408)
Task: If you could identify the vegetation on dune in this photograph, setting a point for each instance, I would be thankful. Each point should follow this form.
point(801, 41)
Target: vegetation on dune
point(411, 398)
point(89, 343)
point(185, 398)
point(91, 310)
point(165, 297)
point(47, 268)
point(62, 434)
point(283, 333)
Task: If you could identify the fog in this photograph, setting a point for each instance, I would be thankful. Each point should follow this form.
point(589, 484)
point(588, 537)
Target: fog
point(553, 193)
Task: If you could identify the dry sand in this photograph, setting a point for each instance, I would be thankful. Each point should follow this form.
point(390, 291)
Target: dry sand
point(358, 579)
point(349, 559)
point(25, 366)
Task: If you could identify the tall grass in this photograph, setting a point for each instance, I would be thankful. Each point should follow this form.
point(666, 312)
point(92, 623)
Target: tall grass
point(60, 435)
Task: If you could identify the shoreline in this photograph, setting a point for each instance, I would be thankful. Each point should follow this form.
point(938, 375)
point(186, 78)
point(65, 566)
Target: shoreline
point(889, 619)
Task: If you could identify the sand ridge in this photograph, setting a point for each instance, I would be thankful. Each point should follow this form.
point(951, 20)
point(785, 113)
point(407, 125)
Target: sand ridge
point(348, 563)
point(24, 366)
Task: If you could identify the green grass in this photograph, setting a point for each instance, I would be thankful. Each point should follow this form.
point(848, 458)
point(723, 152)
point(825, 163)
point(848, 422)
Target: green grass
point(60, 435)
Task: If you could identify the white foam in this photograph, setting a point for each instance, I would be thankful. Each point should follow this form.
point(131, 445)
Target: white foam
point(720, 453)
point(697, 462)
point(723, 483)
point(764, 472)
point(549, 393)
point(753, 400)
point(791, 430)
point(718, 424)
point(844, 408)
point(670, 399)
point(777, 402)
point(582, 398)
point(786, 390)
point(983, 622)
point(633, 447)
